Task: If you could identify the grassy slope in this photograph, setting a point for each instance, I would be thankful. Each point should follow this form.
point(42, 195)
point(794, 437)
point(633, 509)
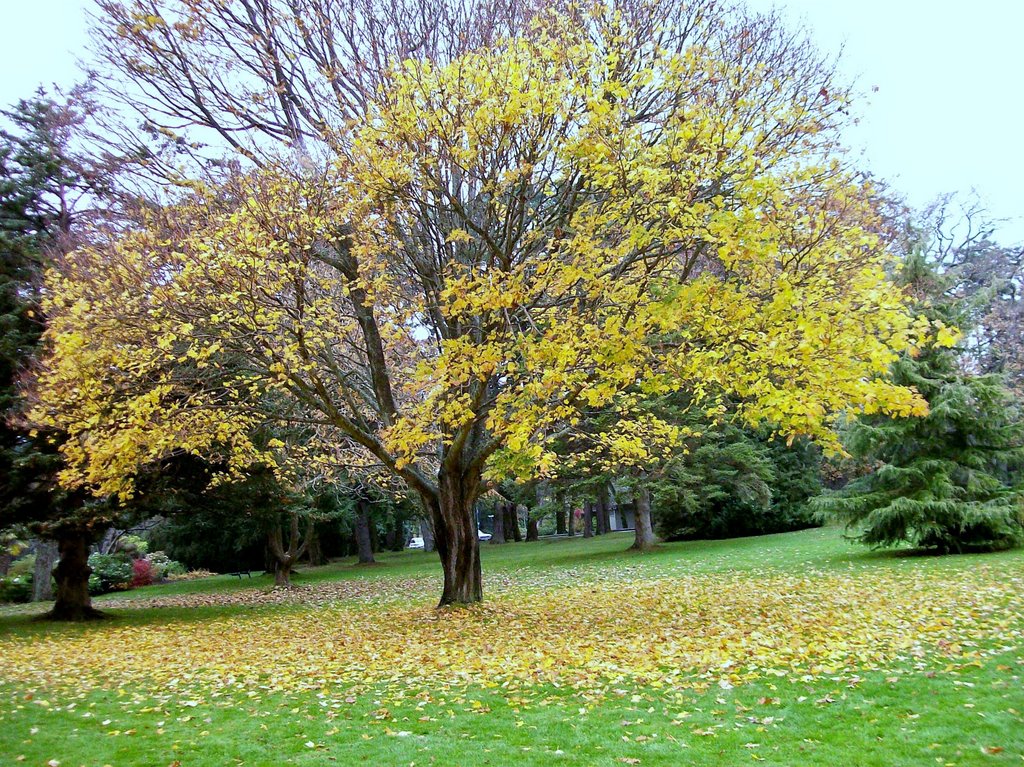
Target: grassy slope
point(958, 715)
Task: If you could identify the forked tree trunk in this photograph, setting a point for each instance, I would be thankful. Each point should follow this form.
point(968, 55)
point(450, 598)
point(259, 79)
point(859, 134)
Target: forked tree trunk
point(455, 536)
point(42, 578)
point(644, 540)
point(498, 526)
point(283, 572)
point(364, 542)
point(588, 520)
point(285, 558)
point(73, 602)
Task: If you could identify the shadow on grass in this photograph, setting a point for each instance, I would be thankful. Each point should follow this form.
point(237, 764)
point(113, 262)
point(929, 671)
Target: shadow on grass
point(930, 556)
point(128, 617)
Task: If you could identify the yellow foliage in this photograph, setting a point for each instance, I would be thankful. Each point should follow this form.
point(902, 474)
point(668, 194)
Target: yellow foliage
point(521, 246)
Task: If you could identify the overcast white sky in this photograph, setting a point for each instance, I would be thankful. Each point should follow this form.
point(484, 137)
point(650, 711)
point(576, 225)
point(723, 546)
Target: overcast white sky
point(947, 115)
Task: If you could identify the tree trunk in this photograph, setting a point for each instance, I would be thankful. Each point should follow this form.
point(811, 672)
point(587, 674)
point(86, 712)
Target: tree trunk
point(588, 519)
point(282, 562)
point(364, 542)
point(269, 560)
point(608, 505)
point(315, 553)
point(390, 536)
point(42, 579)
point(600, 515)
point(560, 527)
point(427, 533)
point(108, 542)
point(455, 535)
point(73, 602)
point(6, 558)
point(498, 526)
point(644, 531)
point(374, 537)
point(283, 572)
point(534, 516)
point(399, 538)
point(571, 522)
point(512, 523)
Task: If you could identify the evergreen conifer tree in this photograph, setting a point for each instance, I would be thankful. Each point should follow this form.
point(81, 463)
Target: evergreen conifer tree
point(947, 481)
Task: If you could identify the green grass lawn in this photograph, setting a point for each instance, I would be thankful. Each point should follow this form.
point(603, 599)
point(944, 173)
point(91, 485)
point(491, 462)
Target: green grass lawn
point(788, 650)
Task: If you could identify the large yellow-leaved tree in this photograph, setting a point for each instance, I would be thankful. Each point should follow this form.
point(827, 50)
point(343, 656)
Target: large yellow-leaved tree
point(499, 240)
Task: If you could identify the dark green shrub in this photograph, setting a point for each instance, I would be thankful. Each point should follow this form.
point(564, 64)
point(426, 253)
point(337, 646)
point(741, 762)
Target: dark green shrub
point(23, 566)
point(15, 588)
point(736, 482)
point(110, 572)
point(212, 538)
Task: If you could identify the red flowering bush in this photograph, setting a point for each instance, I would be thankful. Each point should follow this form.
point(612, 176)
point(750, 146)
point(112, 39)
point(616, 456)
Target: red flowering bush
point(143, 573)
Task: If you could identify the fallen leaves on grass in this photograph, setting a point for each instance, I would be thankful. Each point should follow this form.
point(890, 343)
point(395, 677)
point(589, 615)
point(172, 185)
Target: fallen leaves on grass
point(381, 591)
point(674, 632)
